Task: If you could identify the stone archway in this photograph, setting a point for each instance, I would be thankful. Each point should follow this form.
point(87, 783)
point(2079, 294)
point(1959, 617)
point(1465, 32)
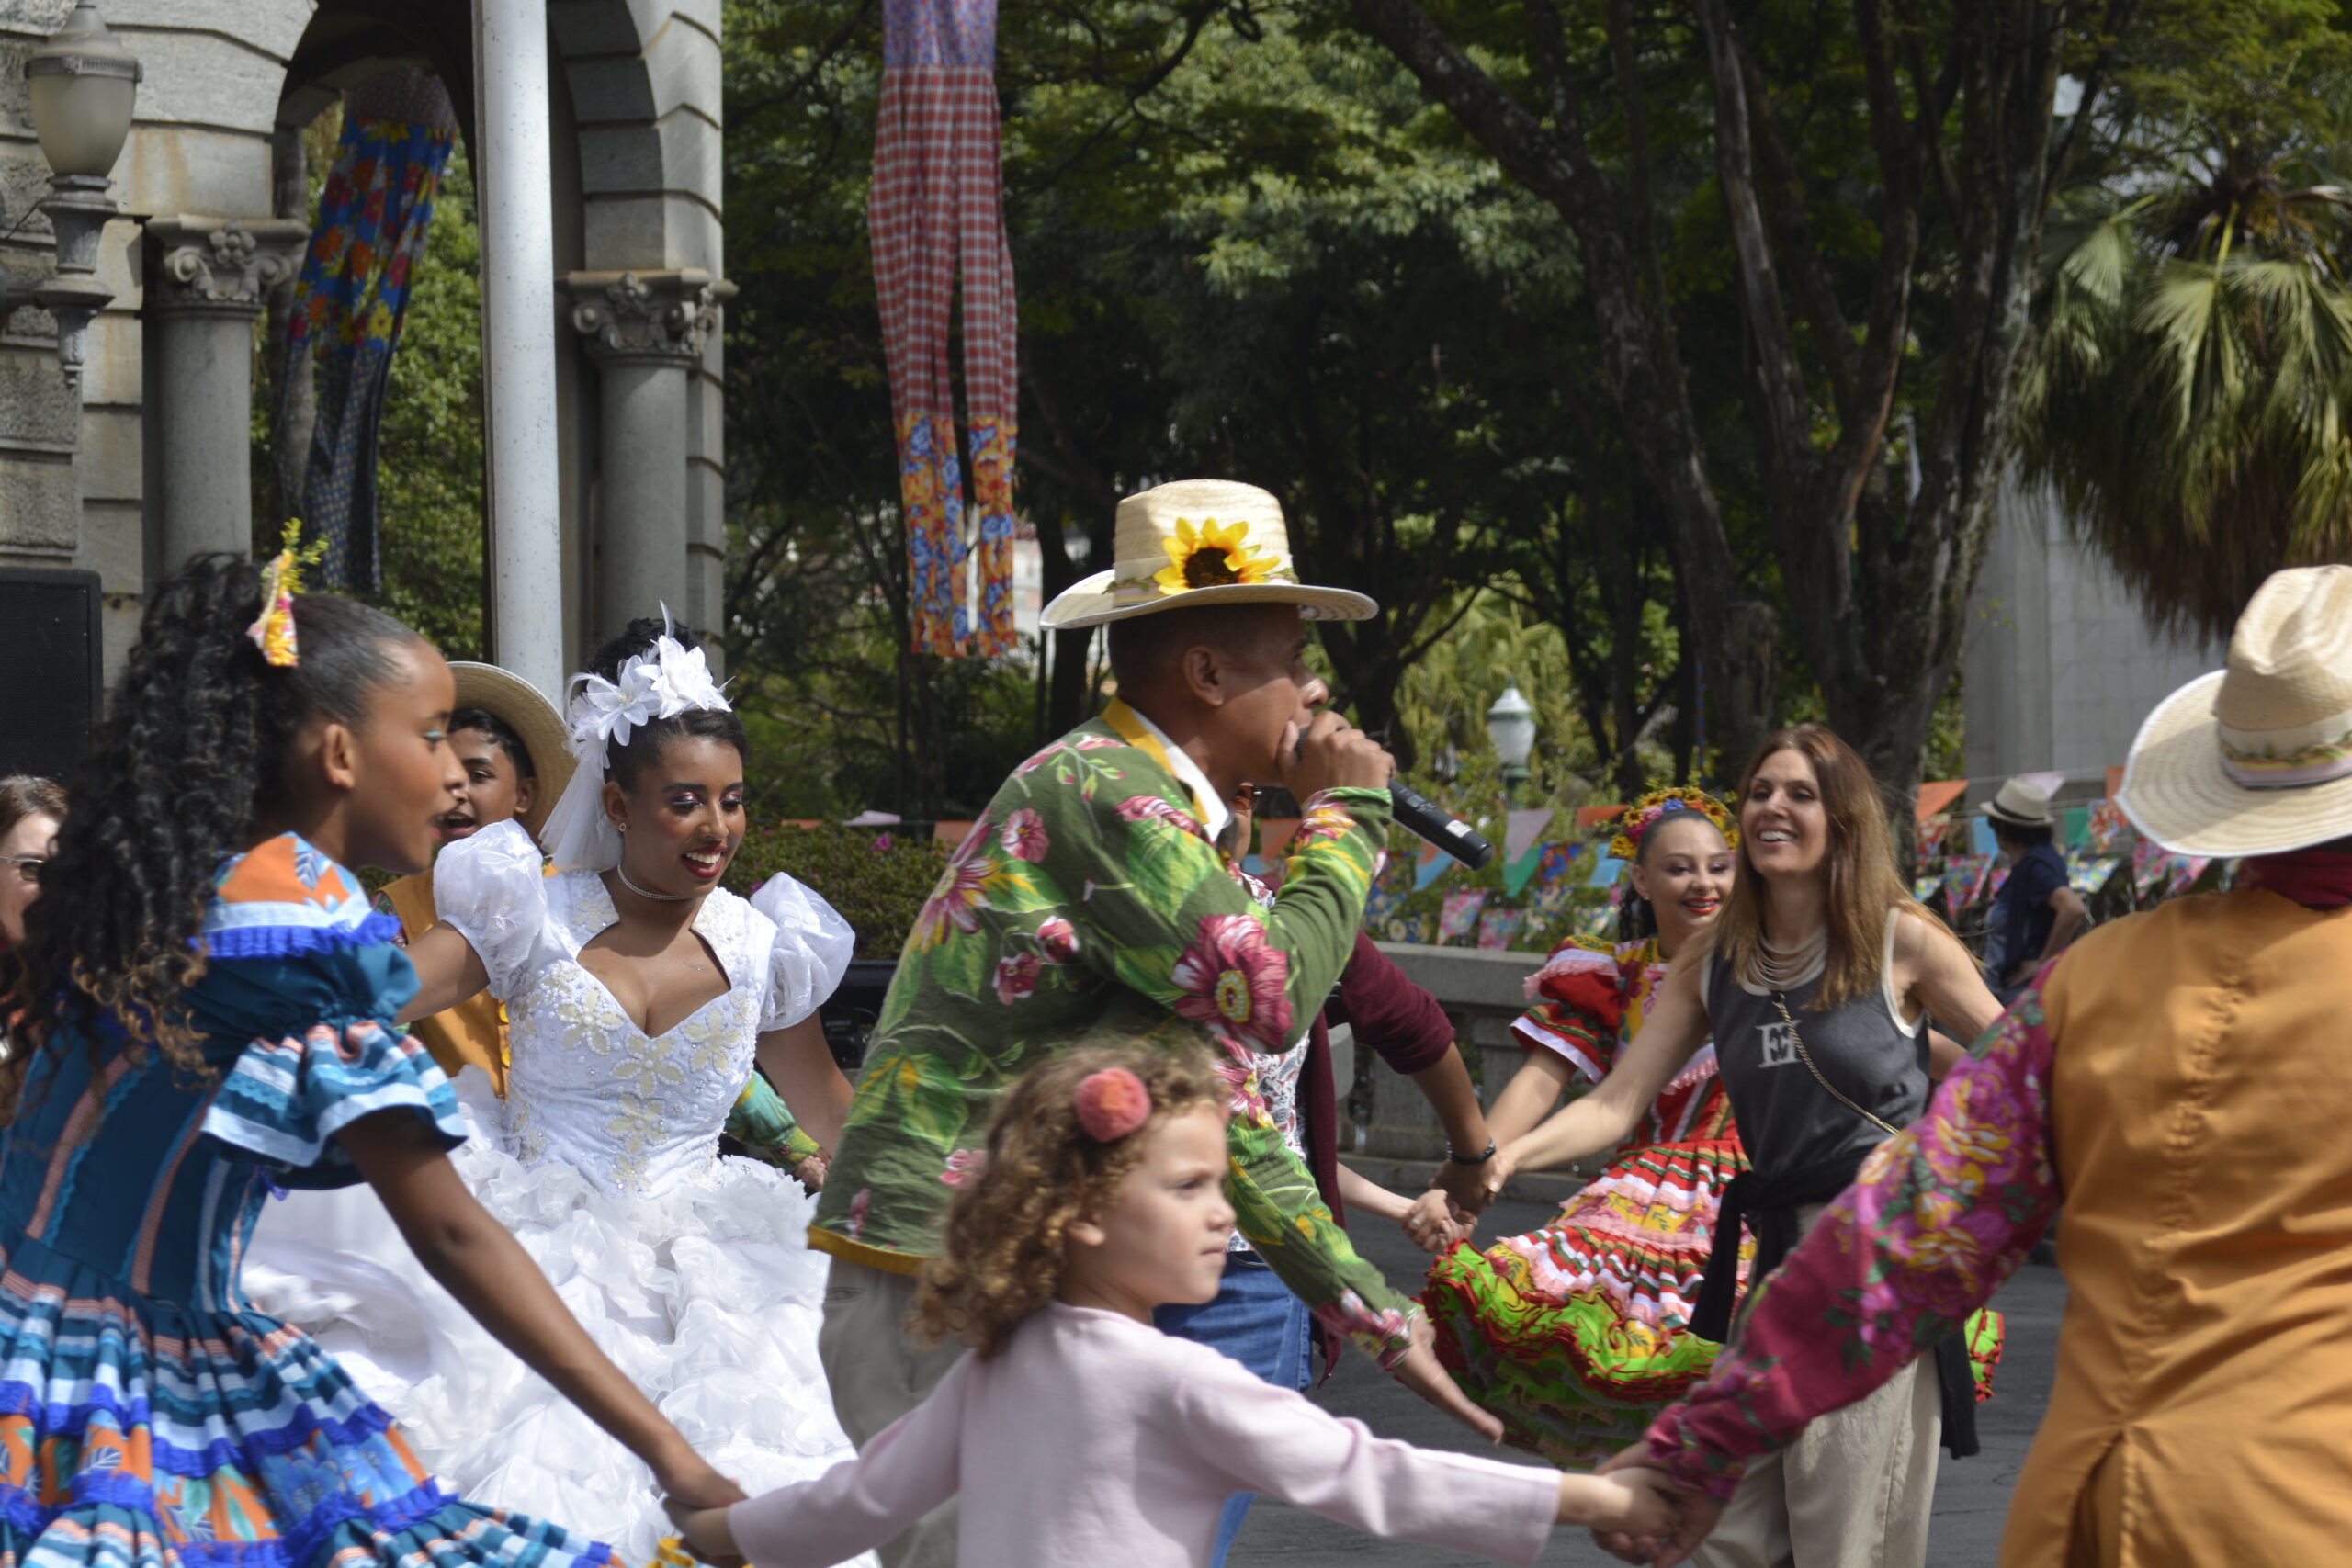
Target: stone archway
point(637, 176)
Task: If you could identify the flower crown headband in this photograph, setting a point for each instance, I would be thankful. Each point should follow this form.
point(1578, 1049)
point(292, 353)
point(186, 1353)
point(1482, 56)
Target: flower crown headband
point(1657, 806)
point(664, 682)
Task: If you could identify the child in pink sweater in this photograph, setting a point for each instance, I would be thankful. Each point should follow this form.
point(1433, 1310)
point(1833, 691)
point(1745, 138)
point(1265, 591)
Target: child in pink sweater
point(1078, 1434)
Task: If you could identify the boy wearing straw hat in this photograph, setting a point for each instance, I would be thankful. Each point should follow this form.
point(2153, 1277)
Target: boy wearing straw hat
point(1091, 899)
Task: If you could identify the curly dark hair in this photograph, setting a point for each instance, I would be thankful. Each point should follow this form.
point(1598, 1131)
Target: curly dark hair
point(188, 759)
point(1001, 1255)
point(647, 742)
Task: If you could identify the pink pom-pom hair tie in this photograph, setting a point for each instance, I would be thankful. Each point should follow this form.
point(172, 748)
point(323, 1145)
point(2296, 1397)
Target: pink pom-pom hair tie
point(1111, 1103)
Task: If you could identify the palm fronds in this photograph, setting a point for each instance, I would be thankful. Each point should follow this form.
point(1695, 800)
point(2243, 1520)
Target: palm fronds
point(2188, 399)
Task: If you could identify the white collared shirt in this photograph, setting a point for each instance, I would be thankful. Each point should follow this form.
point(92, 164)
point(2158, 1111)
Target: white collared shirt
point(1214, 814)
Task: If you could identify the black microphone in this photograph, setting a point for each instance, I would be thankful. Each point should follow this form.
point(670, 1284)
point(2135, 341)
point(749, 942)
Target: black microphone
point(1430, 821)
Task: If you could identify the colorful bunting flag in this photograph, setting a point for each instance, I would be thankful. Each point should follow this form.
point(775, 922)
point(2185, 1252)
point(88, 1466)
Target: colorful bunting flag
point(2087, 874)
point(1523, 844)
point(1499, 928)
point(1459, 914)
point(1555, 864)
point(1935, 798)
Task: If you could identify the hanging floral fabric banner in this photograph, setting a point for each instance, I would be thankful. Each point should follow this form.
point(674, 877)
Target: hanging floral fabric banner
point(397, 130)
point(937, 199)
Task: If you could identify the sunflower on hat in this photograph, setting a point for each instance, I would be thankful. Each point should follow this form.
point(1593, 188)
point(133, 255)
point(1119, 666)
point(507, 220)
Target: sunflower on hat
point(1205, 554)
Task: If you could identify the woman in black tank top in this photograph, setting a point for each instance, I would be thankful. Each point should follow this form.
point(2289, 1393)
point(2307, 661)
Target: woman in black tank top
point(1822, 974)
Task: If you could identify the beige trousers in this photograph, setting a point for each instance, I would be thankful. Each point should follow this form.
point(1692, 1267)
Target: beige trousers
point(878, 1375)
point(1853, 1490)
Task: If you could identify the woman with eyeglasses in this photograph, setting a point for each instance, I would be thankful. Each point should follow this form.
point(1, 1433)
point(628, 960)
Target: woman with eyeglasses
point(31, 810)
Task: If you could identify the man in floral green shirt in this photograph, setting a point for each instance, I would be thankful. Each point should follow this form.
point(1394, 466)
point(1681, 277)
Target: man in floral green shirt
point(1090, 901)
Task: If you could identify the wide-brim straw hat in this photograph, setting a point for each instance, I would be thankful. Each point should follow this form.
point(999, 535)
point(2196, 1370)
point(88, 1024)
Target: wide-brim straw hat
point(533, 717)
point(2021, 805)
point(2257, 758)
point(1199, 542)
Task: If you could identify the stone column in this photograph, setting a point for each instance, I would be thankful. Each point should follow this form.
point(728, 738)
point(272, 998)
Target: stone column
point(645, 331)
point(209, 280)
point(514, 164)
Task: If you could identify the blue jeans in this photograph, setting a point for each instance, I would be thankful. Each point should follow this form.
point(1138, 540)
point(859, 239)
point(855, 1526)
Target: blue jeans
point(1255, 1320)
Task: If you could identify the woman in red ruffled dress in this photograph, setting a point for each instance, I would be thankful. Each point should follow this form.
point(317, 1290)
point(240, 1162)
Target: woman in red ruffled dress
point(1575, 1334)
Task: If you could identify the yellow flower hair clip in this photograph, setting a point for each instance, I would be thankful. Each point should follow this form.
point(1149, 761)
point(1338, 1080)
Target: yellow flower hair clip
point(1648, 811)
point(1208, 555)
point(272, 629)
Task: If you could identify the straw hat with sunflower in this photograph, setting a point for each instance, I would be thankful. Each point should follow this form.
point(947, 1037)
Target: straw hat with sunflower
point(1199, 542)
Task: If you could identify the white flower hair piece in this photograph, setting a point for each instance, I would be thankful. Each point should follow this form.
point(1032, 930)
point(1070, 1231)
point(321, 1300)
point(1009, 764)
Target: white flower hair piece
point(661, 683)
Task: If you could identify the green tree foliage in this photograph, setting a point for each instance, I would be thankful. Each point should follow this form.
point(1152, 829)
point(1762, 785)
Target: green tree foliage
point(1244, 247)
point(2189, 400)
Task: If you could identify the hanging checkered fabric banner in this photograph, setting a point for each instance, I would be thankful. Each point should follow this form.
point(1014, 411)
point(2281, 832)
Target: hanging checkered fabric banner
point(938, 199)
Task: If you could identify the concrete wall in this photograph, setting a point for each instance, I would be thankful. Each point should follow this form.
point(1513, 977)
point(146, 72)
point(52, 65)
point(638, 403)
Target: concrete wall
point(2060, 666)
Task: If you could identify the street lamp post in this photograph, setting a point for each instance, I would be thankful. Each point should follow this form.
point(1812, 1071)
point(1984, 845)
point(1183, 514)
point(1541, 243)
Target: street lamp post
point(83, 85)
point(1510, 727)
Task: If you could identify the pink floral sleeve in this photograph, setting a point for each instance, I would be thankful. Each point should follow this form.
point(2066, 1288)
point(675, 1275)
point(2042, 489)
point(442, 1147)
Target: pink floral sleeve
point(1937, 1218)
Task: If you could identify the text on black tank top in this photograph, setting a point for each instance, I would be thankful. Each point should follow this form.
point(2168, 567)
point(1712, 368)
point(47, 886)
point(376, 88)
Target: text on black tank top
point(1786, 1119)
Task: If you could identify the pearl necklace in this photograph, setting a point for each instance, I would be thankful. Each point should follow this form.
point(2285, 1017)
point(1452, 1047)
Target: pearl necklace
point(1781, 969)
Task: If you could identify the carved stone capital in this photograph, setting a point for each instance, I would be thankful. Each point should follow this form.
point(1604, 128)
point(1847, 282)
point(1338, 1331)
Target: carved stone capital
point(226, 264)
point(647, 315)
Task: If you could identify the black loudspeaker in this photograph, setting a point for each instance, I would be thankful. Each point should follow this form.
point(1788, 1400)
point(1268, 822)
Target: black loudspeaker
point(51, 669)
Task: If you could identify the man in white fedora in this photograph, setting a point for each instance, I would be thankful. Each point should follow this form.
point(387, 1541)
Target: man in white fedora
point(2178, 1078)
point(1092, 900)
point(2038, 912)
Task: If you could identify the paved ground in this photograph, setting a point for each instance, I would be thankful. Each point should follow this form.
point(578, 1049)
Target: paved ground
point(1972, 1495)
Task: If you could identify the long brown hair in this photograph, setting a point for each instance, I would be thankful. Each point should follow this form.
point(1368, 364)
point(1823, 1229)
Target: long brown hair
point(1001, 1259)
point(1864, 884)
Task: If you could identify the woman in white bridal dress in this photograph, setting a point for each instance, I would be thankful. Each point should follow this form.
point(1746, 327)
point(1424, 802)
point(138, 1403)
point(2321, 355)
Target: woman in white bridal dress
point(639, 993)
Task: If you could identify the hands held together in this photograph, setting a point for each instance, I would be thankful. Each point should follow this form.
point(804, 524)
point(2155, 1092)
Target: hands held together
point(1643, 1516)
point(1449, 1211)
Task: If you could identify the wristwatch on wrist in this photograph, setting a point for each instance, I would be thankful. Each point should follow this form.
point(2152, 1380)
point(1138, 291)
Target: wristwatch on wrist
point(1473, 1159)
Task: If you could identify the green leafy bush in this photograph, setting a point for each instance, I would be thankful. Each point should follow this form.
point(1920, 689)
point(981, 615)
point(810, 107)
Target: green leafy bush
point(877, 881)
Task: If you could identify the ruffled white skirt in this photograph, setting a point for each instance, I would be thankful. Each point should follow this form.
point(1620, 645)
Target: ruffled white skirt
point(705, 1295)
